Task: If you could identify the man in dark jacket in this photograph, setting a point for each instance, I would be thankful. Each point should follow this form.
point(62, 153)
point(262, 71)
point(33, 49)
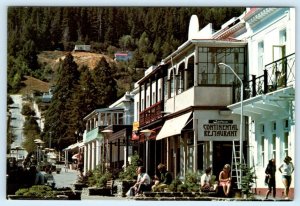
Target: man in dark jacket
point(164, 179)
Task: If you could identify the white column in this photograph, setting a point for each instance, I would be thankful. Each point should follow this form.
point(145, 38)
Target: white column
point(168, 153)
point(93, 162)
point(97, 152)
point(89, 156)
point(195, 166)
point(85, 160)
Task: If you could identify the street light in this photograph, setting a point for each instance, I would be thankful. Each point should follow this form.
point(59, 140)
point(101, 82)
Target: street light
point(39, 143)
point(241, 121)
point(147, 133)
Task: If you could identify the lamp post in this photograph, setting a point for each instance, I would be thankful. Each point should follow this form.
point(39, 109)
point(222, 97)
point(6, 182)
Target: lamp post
point(241, 121)
point(147, 133)
point(39, 143)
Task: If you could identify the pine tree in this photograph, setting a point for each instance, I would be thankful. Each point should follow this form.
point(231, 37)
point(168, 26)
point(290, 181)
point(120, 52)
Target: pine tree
point(105, 84)
point(58, 119)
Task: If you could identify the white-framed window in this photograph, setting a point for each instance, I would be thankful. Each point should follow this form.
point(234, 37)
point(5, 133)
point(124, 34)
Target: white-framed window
point(172, 82)
point(148, 101)
point(159, 95)
point(262, 129)
point(274, 126)
point(262, 150)
point(274, 146)
point(282, 36)
point(260, 52)
point(153, 98)
point(286, 144)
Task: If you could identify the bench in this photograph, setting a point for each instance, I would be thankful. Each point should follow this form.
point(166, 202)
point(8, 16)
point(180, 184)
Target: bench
point(109, 186)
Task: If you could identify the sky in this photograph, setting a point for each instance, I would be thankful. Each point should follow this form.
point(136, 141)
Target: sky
point(199, 3)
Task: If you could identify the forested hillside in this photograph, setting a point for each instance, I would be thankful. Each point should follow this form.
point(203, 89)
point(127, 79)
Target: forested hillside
point(152, 33)
point(38, 34)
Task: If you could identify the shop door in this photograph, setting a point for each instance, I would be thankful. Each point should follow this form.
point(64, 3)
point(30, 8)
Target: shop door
point(222, 154)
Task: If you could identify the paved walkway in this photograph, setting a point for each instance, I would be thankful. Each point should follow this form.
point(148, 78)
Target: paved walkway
point(65, 178)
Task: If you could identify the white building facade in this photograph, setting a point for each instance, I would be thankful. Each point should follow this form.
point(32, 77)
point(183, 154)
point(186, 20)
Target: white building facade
point(270, 106)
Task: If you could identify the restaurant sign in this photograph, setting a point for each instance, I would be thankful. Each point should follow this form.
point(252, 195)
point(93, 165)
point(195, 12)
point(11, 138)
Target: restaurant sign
point(214, 126)
point(217, 128)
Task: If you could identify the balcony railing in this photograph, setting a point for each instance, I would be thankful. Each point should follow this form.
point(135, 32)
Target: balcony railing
point(151, 113)
point(278, 74)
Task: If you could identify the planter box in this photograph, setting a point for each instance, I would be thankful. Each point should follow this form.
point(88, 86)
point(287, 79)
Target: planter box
point(19, 197)
point(123, 186)
point(79, 186)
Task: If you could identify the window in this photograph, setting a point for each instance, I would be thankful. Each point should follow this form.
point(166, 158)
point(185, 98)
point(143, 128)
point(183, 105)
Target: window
point(209, 71)
point(159, 95)
point(282, 36)
point(148, 101)
point(262, 148)
point(262, 128)
point(286, 144)
point(153, 98)
point(172, 82)
point(137, 110)
point(274, 146)
point(180, 79)
point(166, 88)
point(260, 55)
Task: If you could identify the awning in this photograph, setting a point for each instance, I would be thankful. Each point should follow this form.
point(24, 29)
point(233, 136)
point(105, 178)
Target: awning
point(173, 126)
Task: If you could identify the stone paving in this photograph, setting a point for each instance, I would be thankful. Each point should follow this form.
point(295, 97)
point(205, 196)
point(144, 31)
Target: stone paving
point(69, 177)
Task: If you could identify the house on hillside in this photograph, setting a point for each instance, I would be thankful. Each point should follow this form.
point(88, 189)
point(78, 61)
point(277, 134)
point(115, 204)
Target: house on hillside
point(123, 56)
point(82, 48)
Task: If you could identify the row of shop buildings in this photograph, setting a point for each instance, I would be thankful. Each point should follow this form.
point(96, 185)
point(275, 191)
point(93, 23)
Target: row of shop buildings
point(194, 108)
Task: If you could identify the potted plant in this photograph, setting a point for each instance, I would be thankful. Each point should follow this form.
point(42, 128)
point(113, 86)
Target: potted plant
point(127, 177)
point(247, 181)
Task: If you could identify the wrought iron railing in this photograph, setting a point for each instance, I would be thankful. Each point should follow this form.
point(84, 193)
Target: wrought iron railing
point(151, 113)
point(278, 74)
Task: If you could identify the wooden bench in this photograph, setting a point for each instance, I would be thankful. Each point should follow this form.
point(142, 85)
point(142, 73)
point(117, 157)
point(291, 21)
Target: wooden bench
point(110, 186)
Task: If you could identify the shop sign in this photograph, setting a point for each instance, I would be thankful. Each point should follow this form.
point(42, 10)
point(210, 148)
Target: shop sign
point(217, 128)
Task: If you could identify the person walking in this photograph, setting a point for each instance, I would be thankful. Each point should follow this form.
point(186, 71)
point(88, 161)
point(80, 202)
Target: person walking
point(270, 179)
point(286, 169)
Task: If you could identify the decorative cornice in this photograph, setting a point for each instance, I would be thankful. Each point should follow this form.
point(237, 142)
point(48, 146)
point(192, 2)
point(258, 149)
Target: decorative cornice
point(228, 32)
point(255, 15)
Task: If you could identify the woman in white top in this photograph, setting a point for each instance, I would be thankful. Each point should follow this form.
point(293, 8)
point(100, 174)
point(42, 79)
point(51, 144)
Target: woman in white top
point(286, 169)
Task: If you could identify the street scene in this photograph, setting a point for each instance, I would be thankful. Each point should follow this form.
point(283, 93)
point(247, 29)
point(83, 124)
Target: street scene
point(139, 104)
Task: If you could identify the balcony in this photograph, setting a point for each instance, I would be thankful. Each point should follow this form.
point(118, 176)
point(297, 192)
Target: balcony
point(151, 114)
point(278, 74)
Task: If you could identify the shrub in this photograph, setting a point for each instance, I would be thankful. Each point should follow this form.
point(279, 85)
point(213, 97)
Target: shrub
point(247, 180)
point(191, 181)
point(41, 191)
point(174, 186)
point(130, 172)
point(98, 178)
